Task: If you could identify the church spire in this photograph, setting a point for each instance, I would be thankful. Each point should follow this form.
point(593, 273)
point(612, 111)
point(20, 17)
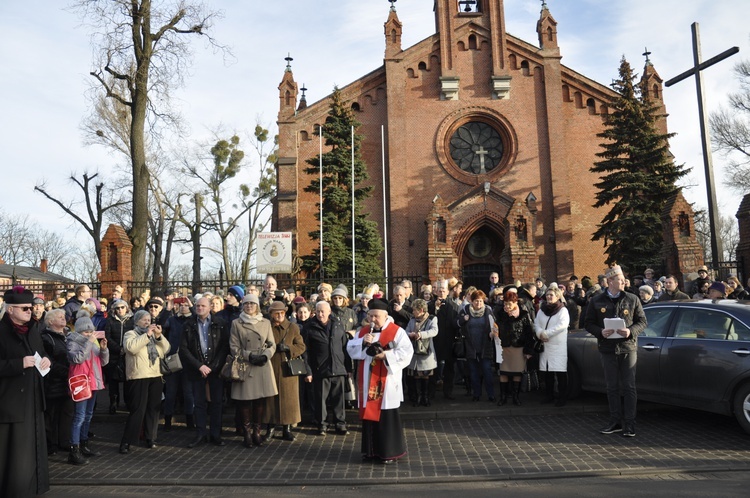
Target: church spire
point(651, 89)
point(287, 91)
point(546, 28)
point(393, 29)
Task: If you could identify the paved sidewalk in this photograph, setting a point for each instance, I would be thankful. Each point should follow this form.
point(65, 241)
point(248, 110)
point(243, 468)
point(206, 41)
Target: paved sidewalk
point(449, 442)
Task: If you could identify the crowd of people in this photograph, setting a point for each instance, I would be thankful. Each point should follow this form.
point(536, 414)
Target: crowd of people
point(273, 355)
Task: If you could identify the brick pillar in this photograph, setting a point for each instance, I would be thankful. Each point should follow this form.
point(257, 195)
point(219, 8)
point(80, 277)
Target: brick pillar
point(520, 260)
point(115, 261)
point(442, 262)
point(743, 248)
point(681, 252)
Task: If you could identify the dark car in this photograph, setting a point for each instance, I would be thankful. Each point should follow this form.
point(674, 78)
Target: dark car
point(694, 354)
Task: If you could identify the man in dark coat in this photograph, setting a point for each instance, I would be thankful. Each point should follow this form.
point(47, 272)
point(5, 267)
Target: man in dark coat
point(72, 305)
point(446, 311)
point(23, 445)
point(330, 365)
point(672, 291)
point(203, 350)
point(399, 308)
point(618, 348)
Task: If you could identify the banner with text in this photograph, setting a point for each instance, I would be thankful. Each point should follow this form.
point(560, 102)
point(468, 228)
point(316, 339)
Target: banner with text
point(274, 252)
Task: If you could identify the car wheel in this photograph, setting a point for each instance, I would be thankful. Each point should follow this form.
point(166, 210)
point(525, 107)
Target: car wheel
point(574, 381)
point(742, 406)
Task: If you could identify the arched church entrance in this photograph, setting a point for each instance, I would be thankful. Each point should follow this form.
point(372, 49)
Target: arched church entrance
point(481, 256)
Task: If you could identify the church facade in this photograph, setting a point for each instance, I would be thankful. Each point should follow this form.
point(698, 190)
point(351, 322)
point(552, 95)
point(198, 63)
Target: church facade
point(486, 146)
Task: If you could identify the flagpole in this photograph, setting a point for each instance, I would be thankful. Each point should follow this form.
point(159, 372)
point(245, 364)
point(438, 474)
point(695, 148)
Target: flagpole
point(320, 136)
point(354, 257)
point(385, 214)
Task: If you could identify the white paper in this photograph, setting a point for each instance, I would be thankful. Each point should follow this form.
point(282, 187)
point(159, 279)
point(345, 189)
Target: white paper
point(614, 324)
point(37, 364)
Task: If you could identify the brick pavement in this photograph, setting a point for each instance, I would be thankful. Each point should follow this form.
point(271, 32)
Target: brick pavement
point(450, 442)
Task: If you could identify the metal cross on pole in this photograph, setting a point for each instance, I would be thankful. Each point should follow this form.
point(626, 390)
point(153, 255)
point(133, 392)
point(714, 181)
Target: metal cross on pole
point(696, 71)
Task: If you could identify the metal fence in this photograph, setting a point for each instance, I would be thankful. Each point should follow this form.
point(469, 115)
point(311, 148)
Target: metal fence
point(303, 286)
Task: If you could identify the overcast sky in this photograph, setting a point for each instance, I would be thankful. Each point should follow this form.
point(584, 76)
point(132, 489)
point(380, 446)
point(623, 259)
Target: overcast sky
point(45, 58)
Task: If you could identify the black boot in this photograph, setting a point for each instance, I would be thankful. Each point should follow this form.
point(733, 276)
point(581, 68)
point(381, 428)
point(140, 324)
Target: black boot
point(75, 456)
point(288, 436)
point(549, 387)
point(503, 398)
point(257, 438)
point(190, 421)
point(270, 431)
point(167, 423)
point(562, 389)
point(516, 391)
point(86, 451)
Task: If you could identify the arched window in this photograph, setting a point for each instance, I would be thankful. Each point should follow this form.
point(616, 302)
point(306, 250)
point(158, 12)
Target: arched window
point(422, 66)
point(440, 231)
point(472, 42)
point(355, 106)
point(655, 91)
point(591, 104)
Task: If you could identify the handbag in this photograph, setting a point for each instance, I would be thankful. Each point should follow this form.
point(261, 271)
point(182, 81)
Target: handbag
point(350, 391)
point(422, 347)
point(538, 346)
point(293, 367)
point(234, 369)
point(459, 348)
point(80, 390)
point(171, 364)
point(530, 381)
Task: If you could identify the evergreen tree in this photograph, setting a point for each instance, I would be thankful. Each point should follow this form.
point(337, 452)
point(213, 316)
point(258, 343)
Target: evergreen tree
point(337, 199)
point(637, 177)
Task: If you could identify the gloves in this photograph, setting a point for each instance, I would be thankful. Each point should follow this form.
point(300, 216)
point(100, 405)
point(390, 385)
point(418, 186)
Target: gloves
point(282, 348)
point(258, 359)
point(374, 349)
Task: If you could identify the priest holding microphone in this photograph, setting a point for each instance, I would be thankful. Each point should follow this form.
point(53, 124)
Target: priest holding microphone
point(384, 350)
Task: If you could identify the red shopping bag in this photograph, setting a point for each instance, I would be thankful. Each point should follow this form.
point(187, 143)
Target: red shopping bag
point(79, 387)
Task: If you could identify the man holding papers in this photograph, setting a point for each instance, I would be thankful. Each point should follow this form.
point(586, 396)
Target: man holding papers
point(616, 318)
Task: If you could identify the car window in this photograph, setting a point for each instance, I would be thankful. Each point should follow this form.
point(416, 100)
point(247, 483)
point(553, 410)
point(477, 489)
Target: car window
point(658, 321)
point(701, 323)
point(738, 332)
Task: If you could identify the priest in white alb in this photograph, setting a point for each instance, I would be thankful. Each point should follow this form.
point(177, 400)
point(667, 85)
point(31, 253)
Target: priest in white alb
point(384, 350)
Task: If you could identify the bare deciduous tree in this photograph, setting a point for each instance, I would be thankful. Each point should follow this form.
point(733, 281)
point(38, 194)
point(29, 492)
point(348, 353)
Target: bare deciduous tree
point(730, 131)
point(143, 54)
point(97, 201)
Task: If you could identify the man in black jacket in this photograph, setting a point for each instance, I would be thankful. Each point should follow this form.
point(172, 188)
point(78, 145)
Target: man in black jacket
point(203, 350)
point(446, 311)
point(330, 365)
point(618, 348)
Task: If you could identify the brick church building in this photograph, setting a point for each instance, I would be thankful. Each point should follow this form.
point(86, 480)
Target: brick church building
point(488, 141)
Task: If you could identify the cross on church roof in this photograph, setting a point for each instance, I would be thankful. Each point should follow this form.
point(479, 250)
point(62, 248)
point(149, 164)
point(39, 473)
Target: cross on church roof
point(288, 60)
point(303, 90)
point(393, 7)
point(544, 4)
point(646, 54)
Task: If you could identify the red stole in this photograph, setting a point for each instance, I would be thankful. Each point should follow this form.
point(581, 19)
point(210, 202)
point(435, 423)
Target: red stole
point(378, 376)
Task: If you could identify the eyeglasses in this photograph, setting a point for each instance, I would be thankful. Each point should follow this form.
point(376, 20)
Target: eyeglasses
point(23, 308)
point(154, 307)
point(120, 307)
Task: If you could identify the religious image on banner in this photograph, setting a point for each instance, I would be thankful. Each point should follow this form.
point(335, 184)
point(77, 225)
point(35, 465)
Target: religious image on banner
point(274, 252)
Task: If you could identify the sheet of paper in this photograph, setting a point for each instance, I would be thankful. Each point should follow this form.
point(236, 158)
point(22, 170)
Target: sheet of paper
point(614, 324)
point(38, 362)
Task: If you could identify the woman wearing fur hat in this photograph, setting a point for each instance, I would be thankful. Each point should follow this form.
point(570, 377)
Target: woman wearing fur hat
point(144, 347)
point(86, 356)
point(23, 445)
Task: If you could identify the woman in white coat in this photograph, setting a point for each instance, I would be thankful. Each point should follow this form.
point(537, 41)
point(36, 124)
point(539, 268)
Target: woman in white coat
point(551, 327)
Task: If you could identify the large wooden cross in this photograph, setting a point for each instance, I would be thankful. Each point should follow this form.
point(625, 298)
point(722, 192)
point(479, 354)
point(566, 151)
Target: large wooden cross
point(699, 66)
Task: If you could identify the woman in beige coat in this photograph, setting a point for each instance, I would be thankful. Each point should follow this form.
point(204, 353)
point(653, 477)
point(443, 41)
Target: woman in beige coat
point(144, 347)
point(251, 338)
point(284, 409)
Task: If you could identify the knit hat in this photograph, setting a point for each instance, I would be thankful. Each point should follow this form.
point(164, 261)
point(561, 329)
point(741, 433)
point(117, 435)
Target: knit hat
point(340, 291)
point(95, 302)
point(37, 300)
point(719, 286)
point(237, 292)
point(250, 298)
point(298, 300)
point(84, 324)
point(613, 271)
